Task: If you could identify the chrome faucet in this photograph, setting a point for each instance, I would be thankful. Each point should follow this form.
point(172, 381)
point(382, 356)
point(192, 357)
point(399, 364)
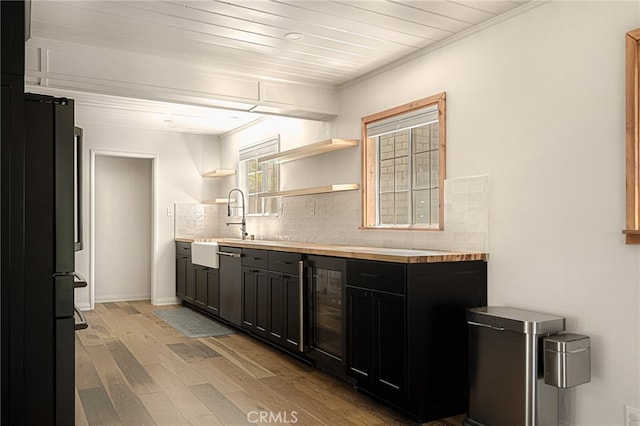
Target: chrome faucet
point(243, 224)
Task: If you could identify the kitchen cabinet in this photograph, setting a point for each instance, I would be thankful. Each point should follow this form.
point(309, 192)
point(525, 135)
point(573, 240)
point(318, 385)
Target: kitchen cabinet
point(195, 284)
point(255, 292)
point(406, 332)
point(271, 296)
point(207, 289)
point(184, 270)
point(284, 299)
point(376, 328)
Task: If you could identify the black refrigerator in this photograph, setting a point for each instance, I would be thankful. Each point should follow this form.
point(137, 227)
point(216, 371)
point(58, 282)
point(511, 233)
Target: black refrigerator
point(51, 236)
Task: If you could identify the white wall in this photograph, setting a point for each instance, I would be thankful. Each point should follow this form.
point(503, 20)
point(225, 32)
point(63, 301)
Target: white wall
point(123, 227)
point(537, 103)
point(179, 162)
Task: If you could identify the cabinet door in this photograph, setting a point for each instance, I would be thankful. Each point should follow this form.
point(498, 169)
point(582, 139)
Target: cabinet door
point(261, 279)
point(190, 288)
point(200, 287)
point(390, 344)
point(360, 334)
point(276, 307)
point(292, 334)
point(213, 291)
point(181, 275)
point(248, 298)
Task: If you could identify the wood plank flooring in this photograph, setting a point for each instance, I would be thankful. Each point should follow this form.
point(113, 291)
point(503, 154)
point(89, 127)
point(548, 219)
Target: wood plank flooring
point(134, 369)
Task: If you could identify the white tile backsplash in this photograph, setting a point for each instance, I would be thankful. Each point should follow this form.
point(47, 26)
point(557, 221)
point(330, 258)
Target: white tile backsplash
point(334, 218)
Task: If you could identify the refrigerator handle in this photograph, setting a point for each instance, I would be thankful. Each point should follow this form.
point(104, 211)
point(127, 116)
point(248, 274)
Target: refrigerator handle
point(301, 297)
point(83, 321)
point(79, 281)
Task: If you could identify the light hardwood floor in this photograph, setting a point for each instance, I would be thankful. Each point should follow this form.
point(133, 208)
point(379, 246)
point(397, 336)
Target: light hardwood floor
point(134, 369)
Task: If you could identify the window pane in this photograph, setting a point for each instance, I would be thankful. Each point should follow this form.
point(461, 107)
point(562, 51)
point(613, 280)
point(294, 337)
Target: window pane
point(421, 139)
point(401, 174)
point(401, 143)
point(252, 204)
point(421, 170)
point(387, 146)
point(386, 209)
point(386, 175)
point(435, 169)
point(402, 208)
point(422, 207)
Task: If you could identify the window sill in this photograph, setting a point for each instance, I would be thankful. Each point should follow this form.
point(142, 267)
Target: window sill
point(401, 228)
point(632, 236)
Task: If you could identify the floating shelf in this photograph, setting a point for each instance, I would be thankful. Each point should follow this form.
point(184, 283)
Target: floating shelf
point(218, 201)
point(310, 150)
point(218, 173)
point(311, 191)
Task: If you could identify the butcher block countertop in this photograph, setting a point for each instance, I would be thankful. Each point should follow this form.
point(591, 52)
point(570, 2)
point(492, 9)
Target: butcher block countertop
point(351, 252)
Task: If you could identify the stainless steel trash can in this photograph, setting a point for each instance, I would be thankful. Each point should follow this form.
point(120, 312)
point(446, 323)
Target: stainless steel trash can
point(506, 376)
point(567, 360)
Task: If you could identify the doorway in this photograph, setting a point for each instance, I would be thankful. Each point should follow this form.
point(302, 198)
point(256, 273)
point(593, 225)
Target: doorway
point(122, 227)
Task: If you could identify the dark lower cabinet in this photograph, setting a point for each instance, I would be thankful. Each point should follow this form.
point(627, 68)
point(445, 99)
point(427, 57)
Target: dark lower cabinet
point(207, 289)
point(401, 335)
point(407, 333)
point(271, 296)
point(284, 310)
point(376, 342)
point(213, 291)
point(255, 297)
point(196, 285)
point(184, 270)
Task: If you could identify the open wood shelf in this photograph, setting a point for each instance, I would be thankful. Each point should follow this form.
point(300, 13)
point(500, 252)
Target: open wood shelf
point(218, 201)
point(310, 150)
point(310, 191)
point(218, 173)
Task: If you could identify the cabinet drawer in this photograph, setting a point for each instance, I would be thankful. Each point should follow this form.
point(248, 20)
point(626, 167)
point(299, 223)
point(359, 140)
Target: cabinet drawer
point(183, 249)
point(255, 258)
point(383, 276)
point(284, 262)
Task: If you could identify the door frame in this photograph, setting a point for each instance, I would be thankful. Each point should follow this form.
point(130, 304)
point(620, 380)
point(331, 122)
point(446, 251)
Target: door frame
point(154, 216)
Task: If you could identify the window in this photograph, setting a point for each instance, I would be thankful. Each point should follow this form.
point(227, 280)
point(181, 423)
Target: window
point(632, 230)
point(259, 178)
point(404, 166)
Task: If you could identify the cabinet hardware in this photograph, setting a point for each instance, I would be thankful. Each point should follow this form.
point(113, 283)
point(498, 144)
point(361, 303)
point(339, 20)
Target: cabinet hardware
point(389, 384)
point(301, 304)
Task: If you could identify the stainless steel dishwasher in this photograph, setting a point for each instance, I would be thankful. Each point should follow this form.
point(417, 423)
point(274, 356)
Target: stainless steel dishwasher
point(230, 284)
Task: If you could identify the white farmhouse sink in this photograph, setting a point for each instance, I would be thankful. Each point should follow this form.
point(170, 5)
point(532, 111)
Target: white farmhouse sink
point(205, 254)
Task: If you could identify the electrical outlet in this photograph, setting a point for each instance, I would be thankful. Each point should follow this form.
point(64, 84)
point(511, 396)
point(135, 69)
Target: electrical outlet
point(170, 211)
point(631, 416)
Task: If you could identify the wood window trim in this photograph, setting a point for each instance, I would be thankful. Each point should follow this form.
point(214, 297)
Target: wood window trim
point(632, 233)
point(369, 163)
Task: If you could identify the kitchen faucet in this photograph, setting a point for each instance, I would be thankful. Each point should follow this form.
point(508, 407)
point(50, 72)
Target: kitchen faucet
point(243, 224)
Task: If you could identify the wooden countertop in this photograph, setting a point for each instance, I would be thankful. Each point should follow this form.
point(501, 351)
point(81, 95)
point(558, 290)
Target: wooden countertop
point(352, 252)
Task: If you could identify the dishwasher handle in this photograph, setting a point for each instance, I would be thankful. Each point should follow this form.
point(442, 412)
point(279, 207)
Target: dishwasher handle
point(225, 253)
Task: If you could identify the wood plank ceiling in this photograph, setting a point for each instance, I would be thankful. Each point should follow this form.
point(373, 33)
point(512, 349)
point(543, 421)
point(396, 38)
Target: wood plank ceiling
point(337, 41)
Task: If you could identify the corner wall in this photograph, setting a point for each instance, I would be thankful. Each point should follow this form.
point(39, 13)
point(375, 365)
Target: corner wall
point(179, 162)
point(537, 103)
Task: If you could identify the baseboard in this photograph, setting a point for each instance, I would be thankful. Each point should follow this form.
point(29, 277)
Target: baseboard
point(167, 301)
point(122, 298)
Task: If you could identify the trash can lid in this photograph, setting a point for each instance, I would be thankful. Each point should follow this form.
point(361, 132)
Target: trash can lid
point(512, 319)
point(569, 342)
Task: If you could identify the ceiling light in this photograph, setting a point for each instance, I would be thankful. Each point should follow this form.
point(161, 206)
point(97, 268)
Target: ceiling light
point(294, 36)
